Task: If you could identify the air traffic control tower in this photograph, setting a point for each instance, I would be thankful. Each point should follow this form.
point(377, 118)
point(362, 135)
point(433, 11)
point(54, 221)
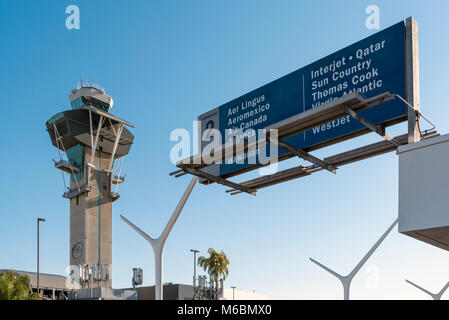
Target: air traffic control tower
point(91, 144)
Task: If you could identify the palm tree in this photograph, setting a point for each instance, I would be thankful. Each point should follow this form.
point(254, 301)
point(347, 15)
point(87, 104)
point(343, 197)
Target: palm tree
point(216, 265)
point(16, 287)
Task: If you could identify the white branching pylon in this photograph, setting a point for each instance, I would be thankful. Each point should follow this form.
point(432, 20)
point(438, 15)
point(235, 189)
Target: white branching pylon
point(435, 296)
point(158, 244)
point(346, 280)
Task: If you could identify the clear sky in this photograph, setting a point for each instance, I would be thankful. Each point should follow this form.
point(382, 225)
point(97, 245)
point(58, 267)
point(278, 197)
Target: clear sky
point(166, 62)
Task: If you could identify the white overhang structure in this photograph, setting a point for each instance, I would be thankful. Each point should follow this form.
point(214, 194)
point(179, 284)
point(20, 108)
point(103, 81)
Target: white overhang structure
point(103, 117)
point(107, 115)
point(423, 191)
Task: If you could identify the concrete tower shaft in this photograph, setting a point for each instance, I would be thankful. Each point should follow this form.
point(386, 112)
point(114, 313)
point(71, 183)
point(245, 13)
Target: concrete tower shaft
point(91, 222)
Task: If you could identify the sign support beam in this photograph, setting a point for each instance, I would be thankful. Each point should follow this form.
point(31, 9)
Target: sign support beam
point(377, 129)
point(338, 160)
point(306, 156)
point(220, 180)
point(412, 76)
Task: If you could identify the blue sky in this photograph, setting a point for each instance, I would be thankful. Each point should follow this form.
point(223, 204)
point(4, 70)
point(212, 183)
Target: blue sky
point(166, 62)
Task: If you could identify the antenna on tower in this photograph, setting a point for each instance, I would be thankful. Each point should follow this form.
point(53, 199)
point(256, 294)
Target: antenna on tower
point(81, 83)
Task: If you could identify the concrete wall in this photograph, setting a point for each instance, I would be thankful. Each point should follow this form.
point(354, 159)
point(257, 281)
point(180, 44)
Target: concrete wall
point(242, 295)
point(105, 293)
point(185, 292)
point(171, 292)
point(424, 191)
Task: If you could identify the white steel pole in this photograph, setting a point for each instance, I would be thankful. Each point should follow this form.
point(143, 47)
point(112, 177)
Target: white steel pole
point(346, 280)
point(194, 266)
point(158, 244)
point(435, 296)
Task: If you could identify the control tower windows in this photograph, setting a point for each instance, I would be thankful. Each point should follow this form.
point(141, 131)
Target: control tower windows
point(77, 103)
point(90, 101)
point(100, 104)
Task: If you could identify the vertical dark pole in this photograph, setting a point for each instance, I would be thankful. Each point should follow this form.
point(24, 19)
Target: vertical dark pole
point(37, 275)
point(99, 215)
point(38, 256)
point(194, 268)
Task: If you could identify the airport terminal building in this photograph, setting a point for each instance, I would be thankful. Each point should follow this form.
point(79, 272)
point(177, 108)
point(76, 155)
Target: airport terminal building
point(55, 287)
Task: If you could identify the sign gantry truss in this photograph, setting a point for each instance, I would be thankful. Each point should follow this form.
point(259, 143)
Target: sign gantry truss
point(348, 105)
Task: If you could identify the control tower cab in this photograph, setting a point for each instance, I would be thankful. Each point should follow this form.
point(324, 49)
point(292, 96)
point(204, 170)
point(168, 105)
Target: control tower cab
point(91, 144)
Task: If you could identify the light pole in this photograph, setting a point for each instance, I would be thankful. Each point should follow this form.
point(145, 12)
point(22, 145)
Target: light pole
point(38, 220)
point(194, 265)
point(194, 271)
point(233, 297)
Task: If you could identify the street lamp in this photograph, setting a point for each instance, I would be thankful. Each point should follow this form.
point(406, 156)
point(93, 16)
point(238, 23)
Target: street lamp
point(38, 220)
point(194, 271)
